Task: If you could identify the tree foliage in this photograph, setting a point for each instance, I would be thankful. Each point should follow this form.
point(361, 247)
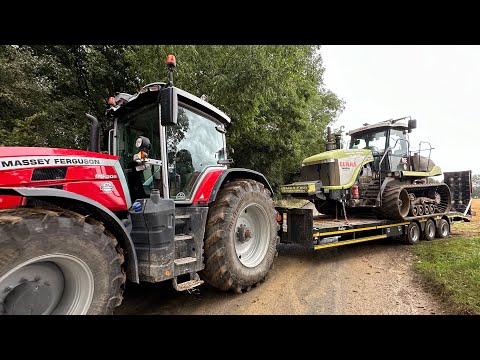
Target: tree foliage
point(476, 185)
point(274, 95)
point(46, 91)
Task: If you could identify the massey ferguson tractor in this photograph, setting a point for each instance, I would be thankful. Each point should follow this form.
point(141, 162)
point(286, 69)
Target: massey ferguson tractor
point(378, 172)
point(161, 203)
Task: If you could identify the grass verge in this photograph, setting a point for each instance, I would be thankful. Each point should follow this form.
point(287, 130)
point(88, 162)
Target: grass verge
point(450, 268)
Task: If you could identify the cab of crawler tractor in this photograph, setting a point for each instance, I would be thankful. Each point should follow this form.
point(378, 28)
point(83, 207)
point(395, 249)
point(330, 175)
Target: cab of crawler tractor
point(388, 142)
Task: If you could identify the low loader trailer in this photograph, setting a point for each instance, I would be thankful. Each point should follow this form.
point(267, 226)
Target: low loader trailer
point(301, 226)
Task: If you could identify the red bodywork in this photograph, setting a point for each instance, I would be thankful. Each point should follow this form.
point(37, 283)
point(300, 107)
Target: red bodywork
point(87, 173)
point(204, 190)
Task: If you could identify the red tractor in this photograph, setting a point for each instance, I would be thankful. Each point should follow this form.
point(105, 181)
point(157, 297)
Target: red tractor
point(161, 204)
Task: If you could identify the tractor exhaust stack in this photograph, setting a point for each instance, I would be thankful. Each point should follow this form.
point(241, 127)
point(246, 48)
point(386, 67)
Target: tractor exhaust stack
point(330, 143)
point(94, 133)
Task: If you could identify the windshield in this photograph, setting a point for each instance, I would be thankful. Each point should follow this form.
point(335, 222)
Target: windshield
point(398, 142)
point(374, 141)
point(192, 145)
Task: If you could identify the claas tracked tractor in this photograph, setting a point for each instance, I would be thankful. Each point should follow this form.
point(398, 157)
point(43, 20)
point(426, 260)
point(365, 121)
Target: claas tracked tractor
point(378, 172)
point(161, 203)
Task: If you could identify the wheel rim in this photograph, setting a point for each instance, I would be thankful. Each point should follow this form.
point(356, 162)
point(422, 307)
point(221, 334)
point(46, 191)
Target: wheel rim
point(444, 228)
point(252, 234)
point(430, 230)
point(414, 233)
point(47, 284)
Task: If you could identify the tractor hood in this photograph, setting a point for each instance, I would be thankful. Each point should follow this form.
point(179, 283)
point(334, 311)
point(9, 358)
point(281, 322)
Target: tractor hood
point(365, 155)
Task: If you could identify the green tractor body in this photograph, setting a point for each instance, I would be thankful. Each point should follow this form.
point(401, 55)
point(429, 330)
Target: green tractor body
point(378, 171)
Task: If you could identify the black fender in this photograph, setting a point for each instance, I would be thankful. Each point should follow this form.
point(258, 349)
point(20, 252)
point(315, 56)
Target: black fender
point(57, 197)
point(238, 173)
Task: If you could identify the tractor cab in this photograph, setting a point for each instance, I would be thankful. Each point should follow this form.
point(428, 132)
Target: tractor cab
point(167, 139)
point(388, 142)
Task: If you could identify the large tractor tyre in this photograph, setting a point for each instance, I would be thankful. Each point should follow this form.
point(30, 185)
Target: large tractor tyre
point(57, 262)
point(241, 236)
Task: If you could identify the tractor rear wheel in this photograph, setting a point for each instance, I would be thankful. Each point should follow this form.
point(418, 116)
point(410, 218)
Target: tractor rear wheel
point(241, 236)
point(57, 262)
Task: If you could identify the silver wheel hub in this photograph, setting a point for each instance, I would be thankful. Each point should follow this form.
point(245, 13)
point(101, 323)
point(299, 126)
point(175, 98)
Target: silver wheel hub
point(48, 284)
point(252, 235)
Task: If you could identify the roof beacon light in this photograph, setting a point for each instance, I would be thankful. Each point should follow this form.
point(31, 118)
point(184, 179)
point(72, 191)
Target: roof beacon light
point(171, 63)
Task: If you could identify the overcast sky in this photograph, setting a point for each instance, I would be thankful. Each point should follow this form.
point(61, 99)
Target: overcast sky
point(437, 85)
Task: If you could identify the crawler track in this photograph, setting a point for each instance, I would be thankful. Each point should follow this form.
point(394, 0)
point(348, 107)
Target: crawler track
point(408, 202)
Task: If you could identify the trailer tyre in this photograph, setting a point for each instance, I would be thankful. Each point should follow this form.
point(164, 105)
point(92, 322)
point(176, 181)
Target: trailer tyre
point(241, 236)
point(443, 229)
point(429, 231)
point(413, 233)
point(57, 262)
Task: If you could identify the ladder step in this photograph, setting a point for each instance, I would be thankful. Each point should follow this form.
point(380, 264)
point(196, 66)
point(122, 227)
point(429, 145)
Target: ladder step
point(185, 260)
point(182, 237)
point(185, 216)
point(187, 285)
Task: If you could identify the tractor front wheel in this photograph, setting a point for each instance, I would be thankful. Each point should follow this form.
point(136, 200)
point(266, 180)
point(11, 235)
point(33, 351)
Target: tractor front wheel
point(57, 262)
point(241, 236)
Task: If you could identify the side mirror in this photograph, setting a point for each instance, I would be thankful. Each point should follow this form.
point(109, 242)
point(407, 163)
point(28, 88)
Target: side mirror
point(412, 124)
point(169, 106)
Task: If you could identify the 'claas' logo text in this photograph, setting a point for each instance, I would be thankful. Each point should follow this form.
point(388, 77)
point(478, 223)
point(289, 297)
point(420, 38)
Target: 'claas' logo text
point(348, 164)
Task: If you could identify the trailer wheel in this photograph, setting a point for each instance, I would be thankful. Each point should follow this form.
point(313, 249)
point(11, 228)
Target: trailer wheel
point(241, 236)
point(413, 233)
point(443, 229)
point(429, 231)
point(57, 262)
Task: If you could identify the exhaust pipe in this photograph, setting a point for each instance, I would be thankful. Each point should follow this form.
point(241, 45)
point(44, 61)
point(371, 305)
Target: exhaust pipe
point(94, 133)
point(338, 139)
point(330, 143)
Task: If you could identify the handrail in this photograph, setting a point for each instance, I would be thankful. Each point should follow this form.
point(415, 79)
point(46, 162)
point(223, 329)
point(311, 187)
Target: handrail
point(380, 171)
point(420, 150)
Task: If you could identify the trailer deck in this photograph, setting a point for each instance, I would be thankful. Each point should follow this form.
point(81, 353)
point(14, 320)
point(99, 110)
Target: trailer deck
point(322, 231)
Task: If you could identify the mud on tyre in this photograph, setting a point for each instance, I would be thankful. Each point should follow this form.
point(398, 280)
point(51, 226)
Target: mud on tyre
point(57, 262)
point(240, 237)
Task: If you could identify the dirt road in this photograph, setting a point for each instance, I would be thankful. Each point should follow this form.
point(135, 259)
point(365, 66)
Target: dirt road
point(365, 278)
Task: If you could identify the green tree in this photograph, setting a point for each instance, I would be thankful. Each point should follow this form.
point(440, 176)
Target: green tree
point(48, 90)
point(476, 185)
point(274, 95)
point(23, 94)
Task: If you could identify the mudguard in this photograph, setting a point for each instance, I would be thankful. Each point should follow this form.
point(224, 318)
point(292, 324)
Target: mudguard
point(238, 173)
point(113, 223)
